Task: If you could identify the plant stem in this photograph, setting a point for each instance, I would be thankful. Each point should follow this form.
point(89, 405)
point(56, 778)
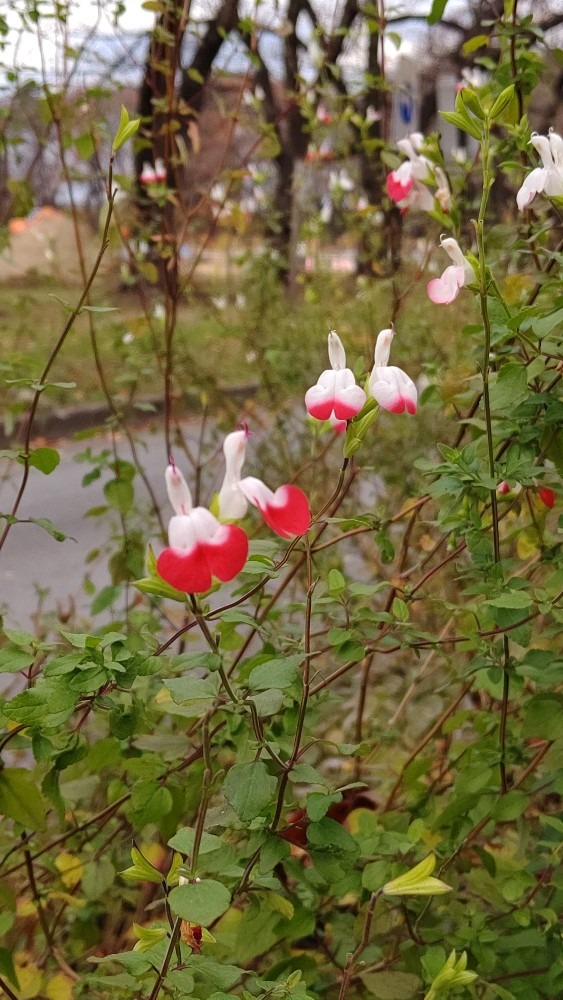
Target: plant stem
point(483, 281)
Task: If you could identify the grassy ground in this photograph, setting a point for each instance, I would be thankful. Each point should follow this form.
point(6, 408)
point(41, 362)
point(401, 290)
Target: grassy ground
point(221, 340)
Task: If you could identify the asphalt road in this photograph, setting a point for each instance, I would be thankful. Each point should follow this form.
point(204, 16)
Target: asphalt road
point(31, 559)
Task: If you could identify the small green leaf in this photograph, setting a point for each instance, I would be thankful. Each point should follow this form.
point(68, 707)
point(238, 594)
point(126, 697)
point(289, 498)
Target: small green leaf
point(200, 902)
point(126, 130)
point(502, 102)
point(44, 459)
point(436, 11)
point(119, 494)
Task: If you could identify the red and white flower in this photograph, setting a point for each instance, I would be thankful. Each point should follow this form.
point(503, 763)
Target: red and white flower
point(153, 175)
point(445, 289)
point(547, 179)
point(200, 547)
point(405, 184)
point(391, 387)
point(286, 510)
point(336, 393)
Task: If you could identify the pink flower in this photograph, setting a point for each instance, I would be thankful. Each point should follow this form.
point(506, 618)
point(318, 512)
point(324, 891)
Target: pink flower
point(391, 387)
point(503, 487)
point(336, 393)
point(200, 547)
point(445, 289)
point(286, 510)
point(549, 177)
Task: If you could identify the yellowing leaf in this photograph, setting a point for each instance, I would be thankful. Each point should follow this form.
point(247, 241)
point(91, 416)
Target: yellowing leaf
point(71, 869)
point(418, 881)
point(30, 978)
point(59, 988)
point(527, 545)
point(67, 898)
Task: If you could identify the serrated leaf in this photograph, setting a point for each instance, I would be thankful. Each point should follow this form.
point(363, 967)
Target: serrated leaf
point(250, 789)
point(275, 673)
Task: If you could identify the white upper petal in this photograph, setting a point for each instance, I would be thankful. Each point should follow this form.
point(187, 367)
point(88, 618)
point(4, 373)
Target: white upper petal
point(556, 146)
point(383, 347)
point(453, 250)
point(256, 492)
point(542, 144)
point(181, 533)
point(336, 352)
point(178, 490)
point(533, 184)
point(232, 504)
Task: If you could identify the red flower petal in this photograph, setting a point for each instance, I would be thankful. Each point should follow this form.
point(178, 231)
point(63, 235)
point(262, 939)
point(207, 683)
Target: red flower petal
point(192, 572)
point(288, 513)
point(188, 572)
point(547, 496)
point(397, 191)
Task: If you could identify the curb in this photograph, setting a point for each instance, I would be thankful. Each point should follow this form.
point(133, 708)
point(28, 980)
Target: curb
point(64, 421)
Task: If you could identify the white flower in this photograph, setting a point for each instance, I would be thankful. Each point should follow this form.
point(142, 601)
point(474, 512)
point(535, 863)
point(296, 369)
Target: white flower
point(547, 179)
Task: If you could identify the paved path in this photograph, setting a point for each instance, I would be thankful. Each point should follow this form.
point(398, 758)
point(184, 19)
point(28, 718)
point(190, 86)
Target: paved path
point(31, 558)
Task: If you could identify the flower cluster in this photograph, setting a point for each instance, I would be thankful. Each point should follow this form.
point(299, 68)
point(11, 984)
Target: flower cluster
point(408, 185)
point(153, 175)
point(202, 546)
point(337, 398)
point(547, 179)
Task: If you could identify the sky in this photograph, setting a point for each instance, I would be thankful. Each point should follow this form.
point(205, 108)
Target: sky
point(22, 47)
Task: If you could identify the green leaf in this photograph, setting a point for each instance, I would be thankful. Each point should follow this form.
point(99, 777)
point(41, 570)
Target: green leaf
point(44, 459)
point(183, 841)
point(250, 789)
point(200, 902)
point(510, 806)
point(318, 804)
point(44, 705)
point(126, 130)
point(159, 588)
point(329, 835)
point(20, 798)
point(463, 122)
point(502, 102)
point(477, 42)
point(275, 673)
point(336, 582)
point(104, 599)
point(391, 985)
point(542, 717)
point(184, 690)
point(436, 11)
point(510, 387)
point(119, 494)
point(515, 599)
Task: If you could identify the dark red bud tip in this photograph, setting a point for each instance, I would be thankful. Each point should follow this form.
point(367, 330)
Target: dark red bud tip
point(243, 426)
point(172, 462)
point(547, 496)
